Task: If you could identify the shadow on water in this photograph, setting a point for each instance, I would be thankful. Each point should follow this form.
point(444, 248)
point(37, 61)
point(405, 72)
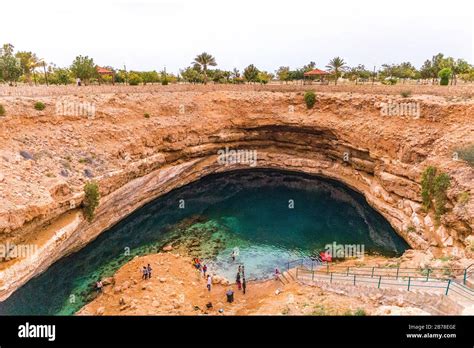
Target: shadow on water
point(249, 210)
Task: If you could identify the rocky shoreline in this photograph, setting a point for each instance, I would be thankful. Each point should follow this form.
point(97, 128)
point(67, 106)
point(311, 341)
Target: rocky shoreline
point(176, 288)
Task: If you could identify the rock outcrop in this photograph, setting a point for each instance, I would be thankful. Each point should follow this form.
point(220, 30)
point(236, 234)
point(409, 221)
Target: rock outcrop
point(136, 159)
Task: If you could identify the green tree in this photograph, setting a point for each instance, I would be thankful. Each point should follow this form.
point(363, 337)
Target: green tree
point(264, 77)
point(10, 66)
point(83, 68)
point(308, 67)
point(150, 77)
point(251, 73)
point(283, 73)
point(405, 71)
point(192, 75)
point(444, 75)
point(134, 78)
point(204, 60)
point(426, 70)
point(458, 67)
point(337, 65)
point(358, 73)
point(59, 76)
point(29, 62)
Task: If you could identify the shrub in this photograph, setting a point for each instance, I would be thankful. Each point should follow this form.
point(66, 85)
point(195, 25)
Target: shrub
point(463, 197)
point(444, 75)
point(467, 154)
point(134, 79)
point(91, 199)
point(391, 81)
point(164, 82)
point(440, 186)
point(434, 187)
point(427, 181)
point(405, 94)
point(310, 99)
point(319, 310)
point(146, 115)
point(39, 106)
point(358, 312)
point(2, 110)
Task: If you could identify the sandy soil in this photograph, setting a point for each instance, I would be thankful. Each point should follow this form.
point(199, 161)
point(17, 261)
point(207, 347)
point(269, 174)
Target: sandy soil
point(177, 288)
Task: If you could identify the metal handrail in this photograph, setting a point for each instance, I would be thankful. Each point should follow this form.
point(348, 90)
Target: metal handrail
point(449, 284)
point(399, 270)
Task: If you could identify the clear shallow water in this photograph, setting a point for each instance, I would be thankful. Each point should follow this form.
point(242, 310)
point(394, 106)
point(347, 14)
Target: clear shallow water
point(248, 210)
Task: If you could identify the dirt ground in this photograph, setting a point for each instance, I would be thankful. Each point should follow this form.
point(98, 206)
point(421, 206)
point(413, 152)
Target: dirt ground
point(177, 288)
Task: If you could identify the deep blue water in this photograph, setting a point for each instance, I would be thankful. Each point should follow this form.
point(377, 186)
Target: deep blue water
point(247, 211)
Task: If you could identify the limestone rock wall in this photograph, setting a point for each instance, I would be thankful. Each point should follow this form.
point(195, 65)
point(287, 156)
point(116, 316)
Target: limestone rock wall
point(136, 159)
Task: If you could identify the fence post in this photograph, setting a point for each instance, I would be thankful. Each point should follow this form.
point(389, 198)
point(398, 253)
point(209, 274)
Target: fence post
point(327, 267)
point(428, 274)
point(447, 288)
point(372, 272)
point(380, 281)
point(312, 275)
point(409, 281)
point(347, 272)
point(398, 269)
point(465, 276)
point(354, 279)
point(296, 272)
point(331, 278)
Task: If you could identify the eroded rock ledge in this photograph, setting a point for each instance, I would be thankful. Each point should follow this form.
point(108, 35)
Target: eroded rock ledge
point(137, 159)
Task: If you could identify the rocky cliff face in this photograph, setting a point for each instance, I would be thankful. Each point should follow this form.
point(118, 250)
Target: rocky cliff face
point(47, 156)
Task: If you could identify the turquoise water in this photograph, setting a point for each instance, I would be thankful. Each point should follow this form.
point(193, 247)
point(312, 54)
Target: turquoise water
point(268, 217)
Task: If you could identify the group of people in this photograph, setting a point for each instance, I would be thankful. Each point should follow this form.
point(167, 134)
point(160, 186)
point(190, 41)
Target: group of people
point(200, 267)
point(146, 272)
point(241, 284)
point(203, 269)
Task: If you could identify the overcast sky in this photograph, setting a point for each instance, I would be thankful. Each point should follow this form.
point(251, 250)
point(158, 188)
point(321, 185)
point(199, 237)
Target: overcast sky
point(151, 34)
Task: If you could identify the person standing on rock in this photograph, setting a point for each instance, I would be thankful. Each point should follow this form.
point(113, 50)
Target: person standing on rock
point(99, 286)
point(233, 255)
point(144, 273)
point(209, 282)
point(149, 269)
point(237, 280)
point(230, 295)
point(244, 284)
point(204, 270)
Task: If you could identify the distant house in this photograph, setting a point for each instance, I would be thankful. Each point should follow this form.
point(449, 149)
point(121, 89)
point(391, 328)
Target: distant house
point(105, 72)
point(315, 73)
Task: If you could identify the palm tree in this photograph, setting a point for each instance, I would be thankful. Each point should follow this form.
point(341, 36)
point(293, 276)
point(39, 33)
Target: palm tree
point(29, 62)
point(204, 60)
point(337, 64)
